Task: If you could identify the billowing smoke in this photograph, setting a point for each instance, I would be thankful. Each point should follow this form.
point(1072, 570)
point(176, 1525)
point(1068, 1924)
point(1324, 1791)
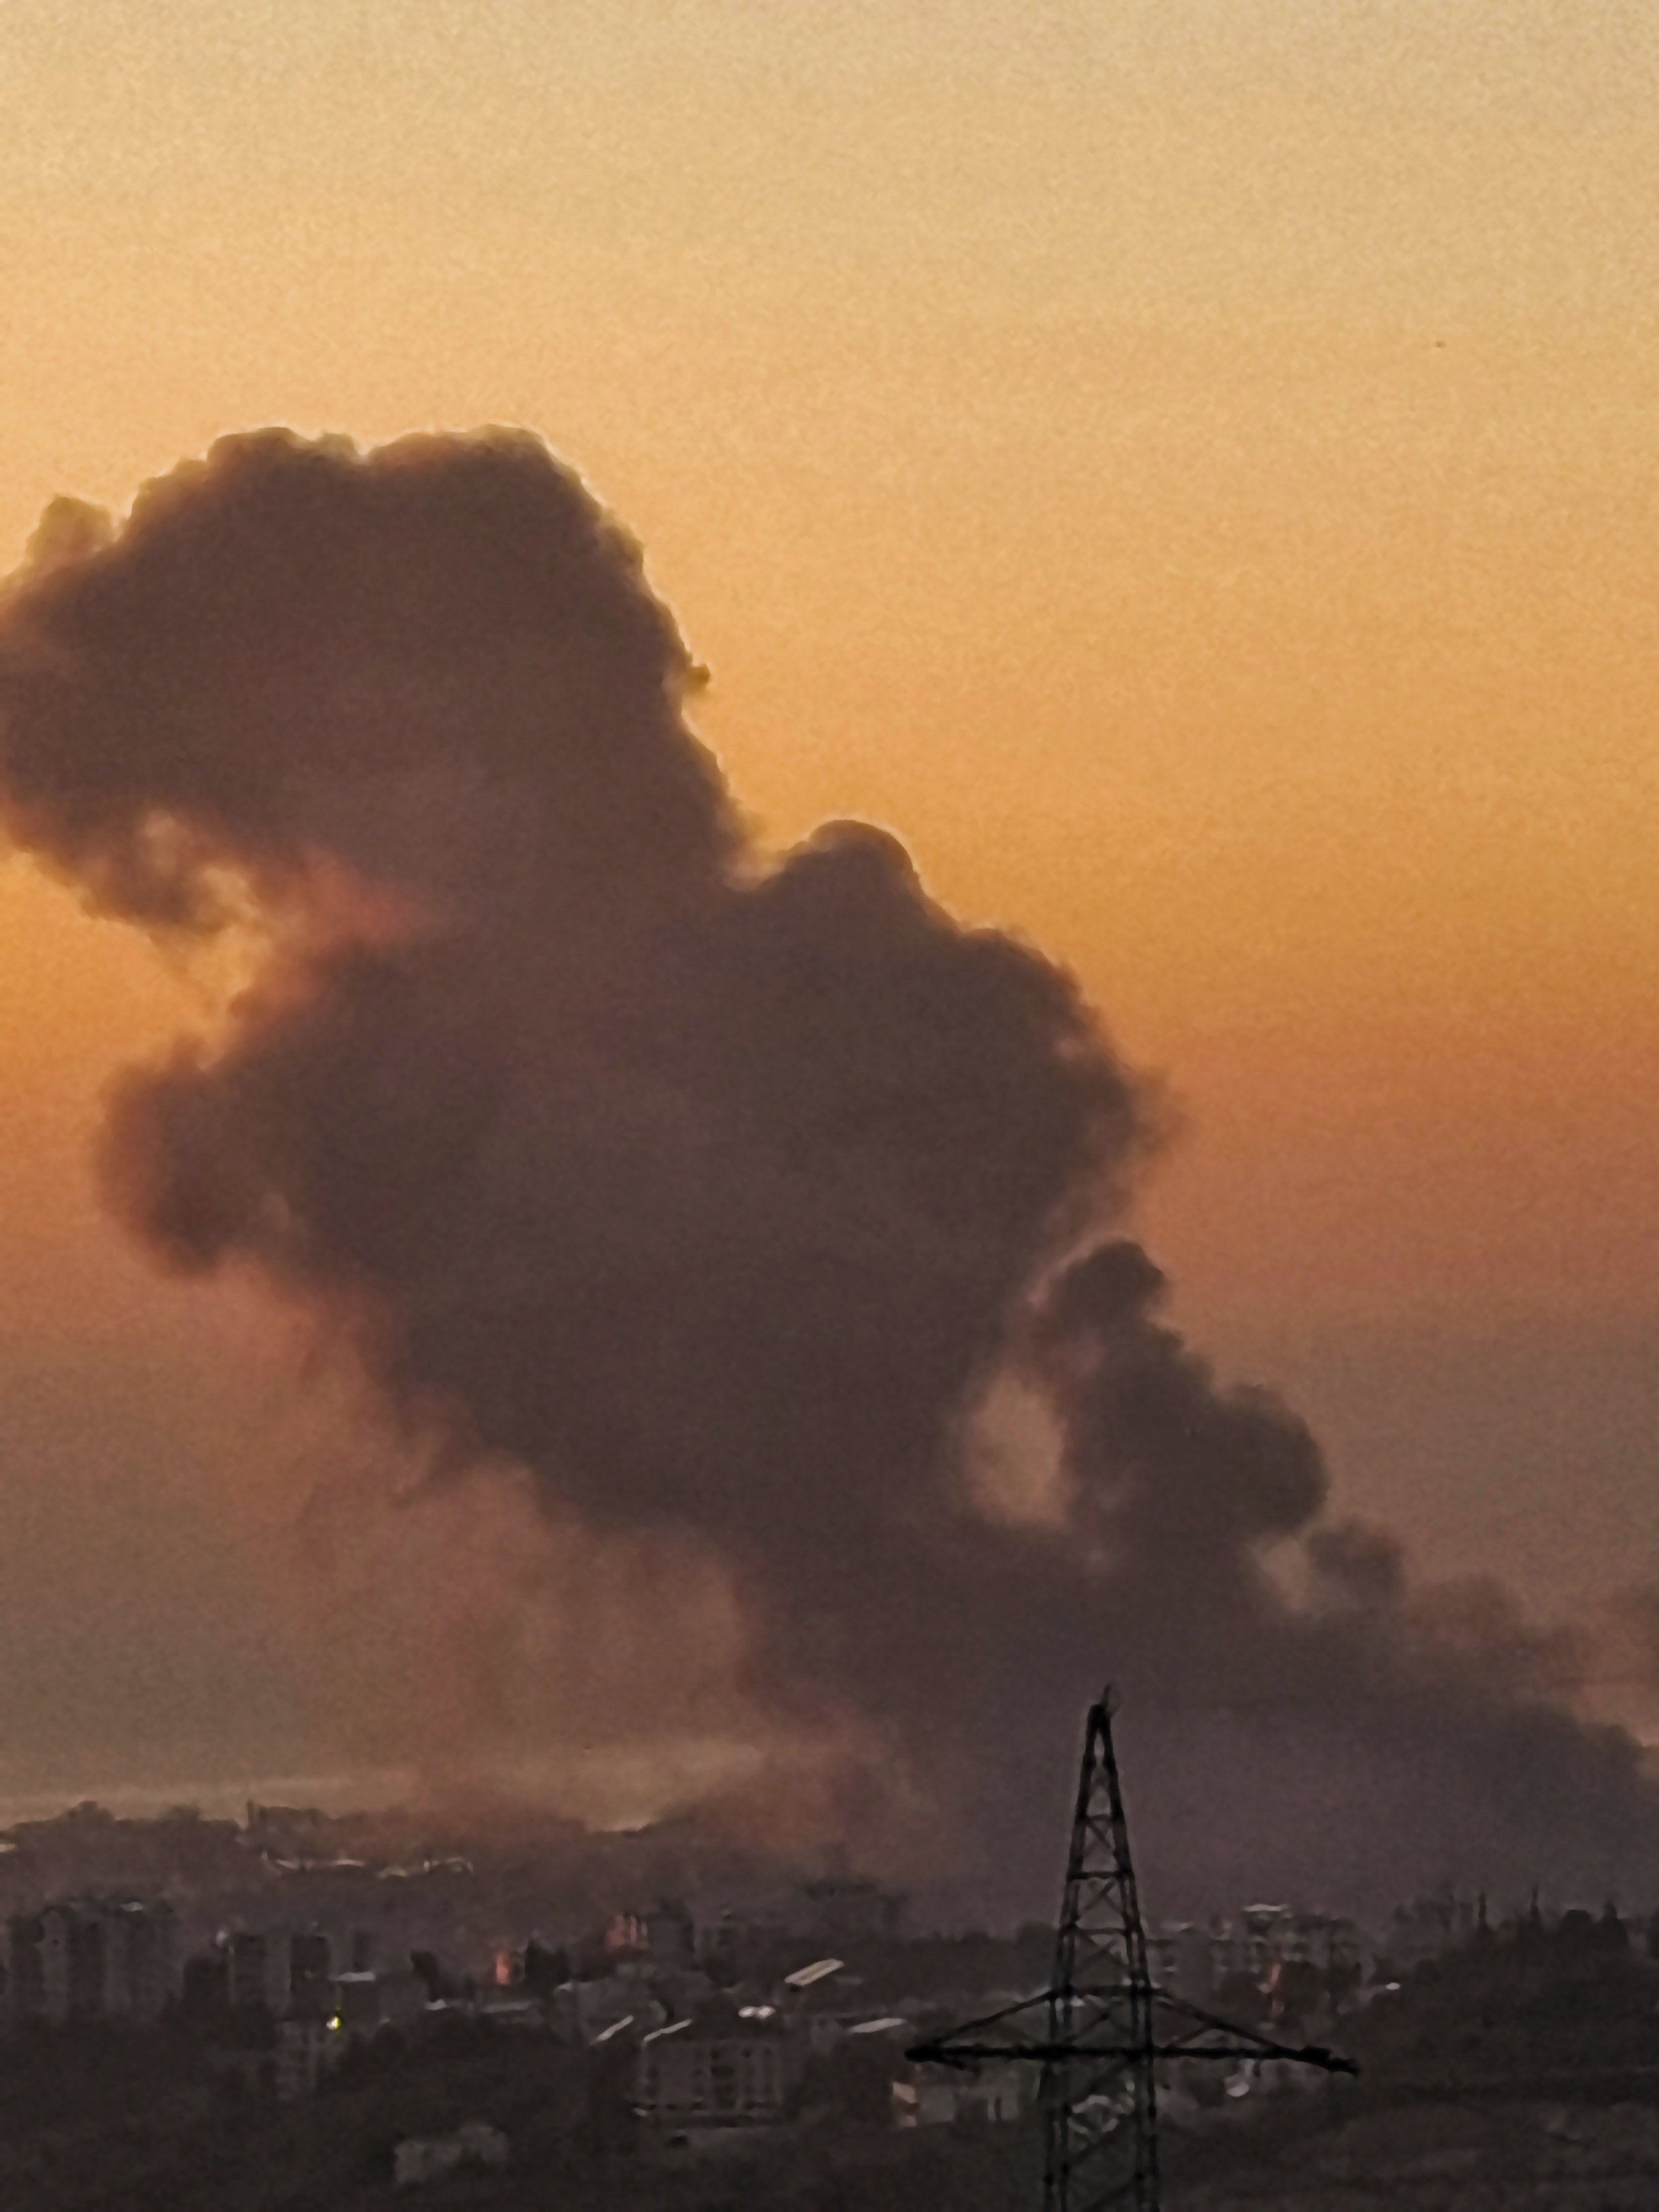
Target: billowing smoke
point(744, 1202)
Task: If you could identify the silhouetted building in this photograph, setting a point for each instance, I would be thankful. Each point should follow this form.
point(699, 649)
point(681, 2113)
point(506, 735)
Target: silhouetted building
point(26, 1968)
point(91, 1958)
point(277, 1968)
point(669, 1935)
point(852, 1910)
point(248, 1970)
point(730, 2066)
point(310, 1966)
point(356, 2004)
point(140, 1960)
point(72, 1953)
point(306, 2047)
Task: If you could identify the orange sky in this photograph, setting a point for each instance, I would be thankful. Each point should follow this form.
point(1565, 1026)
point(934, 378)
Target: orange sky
point(1189, 465)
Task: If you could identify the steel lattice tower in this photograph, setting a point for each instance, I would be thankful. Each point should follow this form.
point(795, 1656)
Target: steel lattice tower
point(1099, 2030)
point(1100, 2109)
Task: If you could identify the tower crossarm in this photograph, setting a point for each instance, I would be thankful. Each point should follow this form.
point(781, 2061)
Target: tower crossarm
point(1017, 2031)
point(1184, 2030)
point(1179, 2030)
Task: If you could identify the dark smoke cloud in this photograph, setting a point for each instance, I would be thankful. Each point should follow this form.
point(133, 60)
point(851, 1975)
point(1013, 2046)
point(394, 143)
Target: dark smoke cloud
point(727, 1194)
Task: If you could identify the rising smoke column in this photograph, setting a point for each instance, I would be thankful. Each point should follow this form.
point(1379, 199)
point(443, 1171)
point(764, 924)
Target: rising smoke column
point(716, 1190)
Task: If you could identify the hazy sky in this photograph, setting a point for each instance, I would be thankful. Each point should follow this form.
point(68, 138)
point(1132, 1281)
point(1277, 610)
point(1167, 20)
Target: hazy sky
point(1190, 467)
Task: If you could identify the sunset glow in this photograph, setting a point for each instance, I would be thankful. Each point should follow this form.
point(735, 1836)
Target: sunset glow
point(1190, 469)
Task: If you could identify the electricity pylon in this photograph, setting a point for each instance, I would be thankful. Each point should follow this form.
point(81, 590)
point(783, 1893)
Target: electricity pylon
point(1100, 2029)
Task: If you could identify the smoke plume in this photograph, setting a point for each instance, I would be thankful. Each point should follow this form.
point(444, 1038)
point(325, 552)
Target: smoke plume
point(741, 1203)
